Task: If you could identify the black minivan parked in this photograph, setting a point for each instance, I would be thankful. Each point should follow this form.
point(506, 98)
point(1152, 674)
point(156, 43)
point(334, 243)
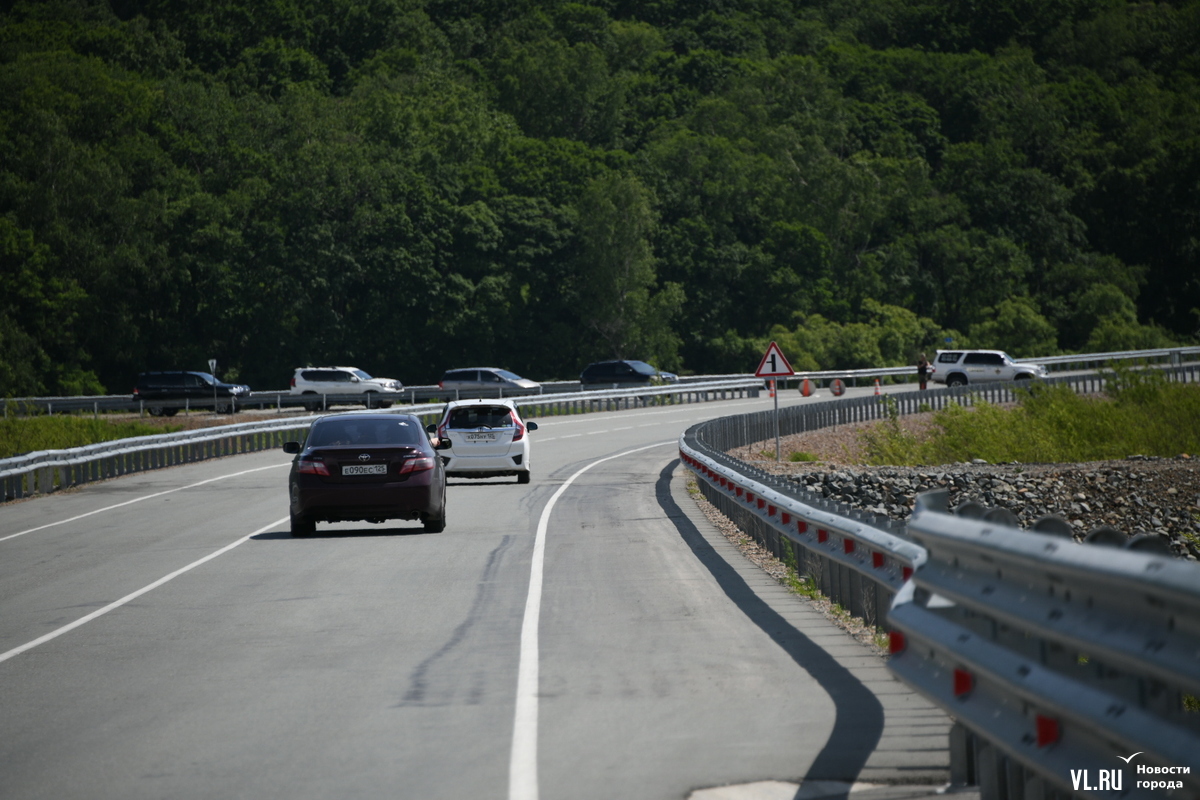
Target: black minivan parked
point(604, 374)
point(164, 393)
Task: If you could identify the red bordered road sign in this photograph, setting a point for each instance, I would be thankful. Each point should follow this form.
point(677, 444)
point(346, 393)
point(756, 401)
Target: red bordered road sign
point(773, 364)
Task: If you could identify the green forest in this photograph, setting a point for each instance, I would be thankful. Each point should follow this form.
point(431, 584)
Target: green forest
point(408, 186)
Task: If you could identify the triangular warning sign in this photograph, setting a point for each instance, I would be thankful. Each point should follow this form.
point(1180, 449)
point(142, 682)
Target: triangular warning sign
point(773, 364)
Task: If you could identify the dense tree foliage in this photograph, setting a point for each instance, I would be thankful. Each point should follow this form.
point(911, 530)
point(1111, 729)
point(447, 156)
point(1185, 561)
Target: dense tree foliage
point(413, 185)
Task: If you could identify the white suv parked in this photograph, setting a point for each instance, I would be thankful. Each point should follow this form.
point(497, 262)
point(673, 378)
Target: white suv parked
point(328, 385)
point(961, 367)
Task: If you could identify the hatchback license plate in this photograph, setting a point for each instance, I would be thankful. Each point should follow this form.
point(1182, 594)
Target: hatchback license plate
point(364, 469)
point(480, 437)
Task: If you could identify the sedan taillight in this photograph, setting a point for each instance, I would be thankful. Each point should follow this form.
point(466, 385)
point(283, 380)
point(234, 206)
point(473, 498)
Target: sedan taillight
point(420, 464)
point(309, 466)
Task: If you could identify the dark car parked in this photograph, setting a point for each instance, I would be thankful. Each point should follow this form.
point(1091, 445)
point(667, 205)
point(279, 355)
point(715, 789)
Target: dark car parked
point(366, 467)
point(623, 373)
point(164, 393)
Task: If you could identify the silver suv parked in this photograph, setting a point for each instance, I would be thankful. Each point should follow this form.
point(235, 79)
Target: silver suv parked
point(328, 385)
point(962, 367)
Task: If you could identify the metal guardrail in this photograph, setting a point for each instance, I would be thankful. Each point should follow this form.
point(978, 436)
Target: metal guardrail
point(46, 471)
point(1065, 665)
point(1056, 659)
point(281, 398)
point(855, 559)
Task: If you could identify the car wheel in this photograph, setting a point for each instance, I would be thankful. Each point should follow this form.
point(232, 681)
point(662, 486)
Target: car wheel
point(155, 411)
point(1024, 376)
point(434, 524)
point(302, 526)
point(311, 406)
point(523, 477)
point(170, 412)
point(222, 407)
point(384, 404)
point(956, 380)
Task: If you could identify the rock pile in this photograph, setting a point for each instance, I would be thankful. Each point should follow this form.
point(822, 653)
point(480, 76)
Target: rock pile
point(1138, 495)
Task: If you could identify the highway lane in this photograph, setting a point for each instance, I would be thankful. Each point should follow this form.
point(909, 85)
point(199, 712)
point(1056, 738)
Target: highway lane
point(377, 660)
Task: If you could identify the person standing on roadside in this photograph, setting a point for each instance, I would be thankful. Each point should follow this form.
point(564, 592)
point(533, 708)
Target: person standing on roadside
point(922, 370)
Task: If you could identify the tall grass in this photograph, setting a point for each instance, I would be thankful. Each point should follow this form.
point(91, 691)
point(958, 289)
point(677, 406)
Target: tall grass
point(29, 434)
point(1141, 413)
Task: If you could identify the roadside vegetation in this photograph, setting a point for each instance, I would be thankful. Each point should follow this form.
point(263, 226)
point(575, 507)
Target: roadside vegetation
point(413, 185)
point(1141, 413)
point(31, 434)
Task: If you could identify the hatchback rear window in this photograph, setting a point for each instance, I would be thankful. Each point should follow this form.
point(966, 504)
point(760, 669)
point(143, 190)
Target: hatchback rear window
point(330, 433)
point(481, 417)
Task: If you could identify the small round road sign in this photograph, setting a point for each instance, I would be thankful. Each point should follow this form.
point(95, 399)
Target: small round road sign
point(806, 387)
point(837, 387)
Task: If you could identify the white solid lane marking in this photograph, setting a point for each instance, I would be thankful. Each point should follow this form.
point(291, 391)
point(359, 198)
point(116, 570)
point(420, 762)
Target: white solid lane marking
point(140, 499)
point(522, 770)
point(16, 651)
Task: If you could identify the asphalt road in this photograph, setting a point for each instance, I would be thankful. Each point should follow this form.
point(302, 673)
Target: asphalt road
point(585, 636)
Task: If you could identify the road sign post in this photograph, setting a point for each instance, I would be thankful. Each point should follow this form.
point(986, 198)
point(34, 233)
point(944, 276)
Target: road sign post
point(212, 370)
point(774, 365)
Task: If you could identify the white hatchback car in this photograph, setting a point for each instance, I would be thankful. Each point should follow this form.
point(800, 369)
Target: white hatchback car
point(488, 439)
point(961, 367)
point(324, 383)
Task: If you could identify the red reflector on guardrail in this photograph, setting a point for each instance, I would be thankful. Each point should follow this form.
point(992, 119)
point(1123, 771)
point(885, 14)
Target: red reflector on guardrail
point(964, 682)
point(801, 526)
point(848, 545)
point(1048, 730)
point(896, 642)
point(877, 560)
point(822, 535)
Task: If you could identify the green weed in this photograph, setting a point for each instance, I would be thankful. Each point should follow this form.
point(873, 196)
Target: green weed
point(1141, 413)
point(30, 434)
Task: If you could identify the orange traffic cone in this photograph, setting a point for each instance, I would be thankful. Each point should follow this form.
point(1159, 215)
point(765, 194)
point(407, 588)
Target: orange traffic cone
point(877, 387)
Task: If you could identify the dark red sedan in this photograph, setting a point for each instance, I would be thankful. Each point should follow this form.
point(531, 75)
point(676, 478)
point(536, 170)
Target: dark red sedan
point(366, 467)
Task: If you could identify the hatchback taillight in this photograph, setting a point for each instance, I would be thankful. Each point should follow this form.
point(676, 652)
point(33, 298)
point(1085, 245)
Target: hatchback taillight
point(312, 466)
point(420, 464)
point(520, 432)
point(293, 381)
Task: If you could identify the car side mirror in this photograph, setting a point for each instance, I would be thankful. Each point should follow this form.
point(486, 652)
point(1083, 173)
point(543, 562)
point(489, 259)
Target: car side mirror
point(444, 444)
point(291, 447)
point(355, 379)
point(531, 426)
point(431, 428)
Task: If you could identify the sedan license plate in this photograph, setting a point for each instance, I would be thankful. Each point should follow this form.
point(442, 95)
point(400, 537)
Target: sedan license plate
point(364, 469)
point(480, 437)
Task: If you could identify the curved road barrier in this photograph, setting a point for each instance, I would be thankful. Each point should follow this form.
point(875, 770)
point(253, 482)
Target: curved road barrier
point(1072, 670)
point(46, 471)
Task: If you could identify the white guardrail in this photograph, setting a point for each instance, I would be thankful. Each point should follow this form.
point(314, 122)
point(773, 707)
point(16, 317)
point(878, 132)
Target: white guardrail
point(1072, 670)
point(282, 398)
point(1069, 666)
point(49, 470)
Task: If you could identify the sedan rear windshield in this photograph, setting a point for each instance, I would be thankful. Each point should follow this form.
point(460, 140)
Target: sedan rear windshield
point(333, 432)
